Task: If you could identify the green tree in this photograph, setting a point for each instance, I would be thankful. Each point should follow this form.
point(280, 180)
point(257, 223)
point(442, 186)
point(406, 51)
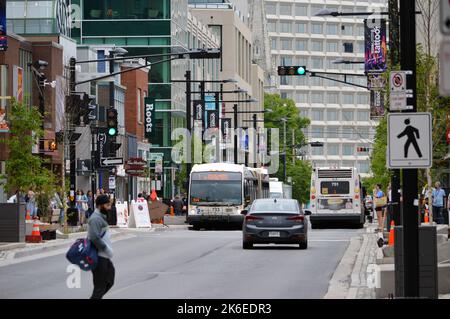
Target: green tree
point(24, 170)
point(300, 171)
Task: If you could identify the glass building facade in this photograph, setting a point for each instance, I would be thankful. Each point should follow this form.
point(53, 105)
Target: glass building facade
point(144, 27)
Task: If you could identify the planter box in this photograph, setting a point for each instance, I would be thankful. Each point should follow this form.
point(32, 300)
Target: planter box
point(12, 222)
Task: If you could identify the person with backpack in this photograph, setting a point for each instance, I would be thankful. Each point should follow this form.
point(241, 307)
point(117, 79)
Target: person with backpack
point(98, 233)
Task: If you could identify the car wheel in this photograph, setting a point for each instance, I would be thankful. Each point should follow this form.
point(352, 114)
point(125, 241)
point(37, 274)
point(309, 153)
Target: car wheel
point(195, 227)
point(303, 244)
point(247, 245)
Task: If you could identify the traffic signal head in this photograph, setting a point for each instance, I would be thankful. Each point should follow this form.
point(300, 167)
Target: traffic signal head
point(87, 109)
point(111, 121)
point(52, 146)
point(292, 70)
point(362, 149)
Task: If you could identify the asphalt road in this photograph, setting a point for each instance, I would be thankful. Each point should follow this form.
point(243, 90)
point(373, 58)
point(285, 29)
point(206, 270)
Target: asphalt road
point(192, 264)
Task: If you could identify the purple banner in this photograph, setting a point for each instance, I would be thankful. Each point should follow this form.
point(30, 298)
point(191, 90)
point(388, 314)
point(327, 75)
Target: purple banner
point(375, 45)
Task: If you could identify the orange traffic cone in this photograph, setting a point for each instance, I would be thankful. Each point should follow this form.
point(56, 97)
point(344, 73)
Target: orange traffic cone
point(172, 211)
point(35, 236)
point(28, 217)
point(426, 218)
point(391, 234)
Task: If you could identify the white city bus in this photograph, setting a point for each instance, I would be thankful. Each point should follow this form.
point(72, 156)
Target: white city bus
point(336, 196)
point(218, 192)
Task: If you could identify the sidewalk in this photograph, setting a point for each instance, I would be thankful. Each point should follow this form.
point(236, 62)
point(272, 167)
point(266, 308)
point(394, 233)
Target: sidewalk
point(350, 279)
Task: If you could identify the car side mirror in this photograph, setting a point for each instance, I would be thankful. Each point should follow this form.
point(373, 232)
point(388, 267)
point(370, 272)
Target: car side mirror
point(244, 212)
point(307, 212)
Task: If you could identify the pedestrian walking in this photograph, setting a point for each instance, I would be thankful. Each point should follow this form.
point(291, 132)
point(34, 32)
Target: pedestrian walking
point(31, 206)
point(389, 208)
point(178, 206)
point(81, 203)
point(98, 232)
point(380, 202)
point(90, 204)
point(438, 196)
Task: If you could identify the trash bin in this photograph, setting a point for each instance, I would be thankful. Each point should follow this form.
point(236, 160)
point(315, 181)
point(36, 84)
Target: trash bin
point(428, 268)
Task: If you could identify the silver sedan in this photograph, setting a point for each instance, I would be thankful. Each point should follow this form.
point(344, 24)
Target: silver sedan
point(279, 221)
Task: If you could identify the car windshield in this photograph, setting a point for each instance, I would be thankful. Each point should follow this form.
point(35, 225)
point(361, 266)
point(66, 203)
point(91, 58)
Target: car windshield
point(281, 206)
point(216, 188)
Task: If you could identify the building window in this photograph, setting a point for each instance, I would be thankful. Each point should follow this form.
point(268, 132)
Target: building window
point(317, 132)
point(316, 28)
point(348, 98)
point(139, 106)
point(333, 98)
point(304, 113)
point(348, 115)
point(274, 44)
point(301, 10)
point(301, 45)
point(119, 10)
point(271, 8)
point(363, 167)
point(101, 66)
point(301, 27)
point(363, 99)
point(332, 29)
point(333, 149)
point(285, 9)
point(348, 149)
point(332, 47)
point(348, 132)
point(317, 46)
point(317, 151)
point(286, 27)
point(301, 97)
point(317, 63)
point(332, 115)
point(272, 26)
point(333, 131)
point(348, 47)
point(286, 44)
point(347, 30)
point(317, 115)
point(363, 115)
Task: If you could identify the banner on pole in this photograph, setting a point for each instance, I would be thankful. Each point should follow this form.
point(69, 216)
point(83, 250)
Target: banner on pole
point(375, 45)
point(377, 108)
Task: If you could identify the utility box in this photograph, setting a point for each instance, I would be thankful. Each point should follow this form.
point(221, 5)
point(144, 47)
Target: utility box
point(12, 222)
point(428, 268)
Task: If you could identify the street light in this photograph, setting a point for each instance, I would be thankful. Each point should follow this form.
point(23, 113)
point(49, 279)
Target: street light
point(327, 12)
point(342, 61)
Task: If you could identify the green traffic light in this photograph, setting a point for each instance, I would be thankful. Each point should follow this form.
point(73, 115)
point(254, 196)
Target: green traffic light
point(112, 131)
point(301, 71)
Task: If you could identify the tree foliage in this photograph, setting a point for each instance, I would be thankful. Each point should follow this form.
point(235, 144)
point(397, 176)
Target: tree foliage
point(24, 170)
point(300, 171)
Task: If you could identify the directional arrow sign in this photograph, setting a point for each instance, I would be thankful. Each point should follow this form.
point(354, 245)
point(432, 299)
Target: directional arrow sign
point(111, 161)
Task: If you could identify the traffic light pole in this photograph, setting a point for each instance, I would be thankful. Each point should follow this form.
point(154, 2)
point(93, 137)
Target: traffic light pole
point(72, 145)
point(188, 127)
point(409, 178)
point(235, 125)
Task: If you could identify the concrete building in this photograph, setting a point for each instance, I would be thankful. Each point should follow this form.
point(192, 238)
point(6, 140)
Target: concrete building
point(340, 114)
point(237, 63)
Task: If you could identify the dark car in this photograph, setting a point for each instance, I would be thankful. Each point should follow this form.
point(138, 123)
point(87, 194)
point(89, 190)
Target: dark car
point(278, 221)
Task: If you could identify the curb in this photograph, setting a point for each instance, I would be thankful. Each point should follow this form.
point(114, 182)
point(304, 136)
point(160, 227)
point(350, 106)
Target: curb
point(339, 286)
point(11, 246)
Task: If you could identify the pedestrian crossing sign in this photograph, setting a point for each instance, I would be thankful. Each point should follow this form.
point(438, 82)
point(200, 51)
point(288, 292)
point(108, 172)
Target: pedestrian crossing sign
point(410, 143)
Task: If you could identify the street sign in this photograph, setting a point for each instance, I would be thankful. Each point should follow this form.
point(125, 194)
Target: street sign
point(410, 142)
point(111, 161)
point(398, 98)
point(444, 74)
point(135, 171)
point(136, 161)
point(154, 156)
point(445, 17)
point(112, 182)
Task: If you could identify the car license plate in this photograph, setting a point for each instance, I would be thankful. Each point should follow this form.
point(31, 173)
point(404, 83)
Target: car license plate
point(274, 234)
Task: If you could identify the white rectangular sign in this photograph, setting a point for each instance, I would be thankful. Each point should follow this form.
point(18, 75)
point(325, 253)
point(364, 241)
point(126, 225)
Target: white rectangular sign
point(139, 215)
point(410, 142)
point(112, 182)
point(398, 81)
point(444, 73)
point(122, 214)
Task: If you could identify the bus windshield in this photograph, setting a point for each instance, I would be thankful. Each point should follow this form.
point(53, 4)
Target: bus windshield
point(216, 187)
point(335, 188)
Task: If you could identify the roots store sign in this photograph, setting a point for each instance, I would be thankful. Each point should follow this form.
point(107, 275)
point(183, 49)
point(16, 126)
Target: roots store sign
point(150, 119)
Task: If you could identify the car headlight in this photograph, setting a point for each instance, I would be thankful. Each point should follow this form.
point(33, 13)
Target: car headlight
point(238, 211)
point(193, 212)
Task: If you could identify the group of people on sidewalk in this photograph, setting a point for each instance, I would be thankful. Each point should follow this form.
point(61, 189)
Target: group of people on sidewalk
point(84, 203)
point(383, 206)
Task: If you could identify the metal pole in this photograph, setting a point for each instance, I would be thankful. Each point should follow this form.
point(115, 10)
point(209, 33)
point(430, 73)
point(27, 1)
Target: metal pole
point(188, 127)
point(112, 140)
point(93, 171)
point(72, 146)
point(235, 112)
point(394, 41)
point(285, 157)
point(409, 178)
point(255, 140)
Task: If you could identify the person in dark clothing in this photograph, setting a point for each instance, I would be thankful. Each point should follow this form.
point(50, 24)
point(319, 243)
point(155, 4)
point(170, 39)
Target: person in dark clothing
point(98, 233)
point(178, 206)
